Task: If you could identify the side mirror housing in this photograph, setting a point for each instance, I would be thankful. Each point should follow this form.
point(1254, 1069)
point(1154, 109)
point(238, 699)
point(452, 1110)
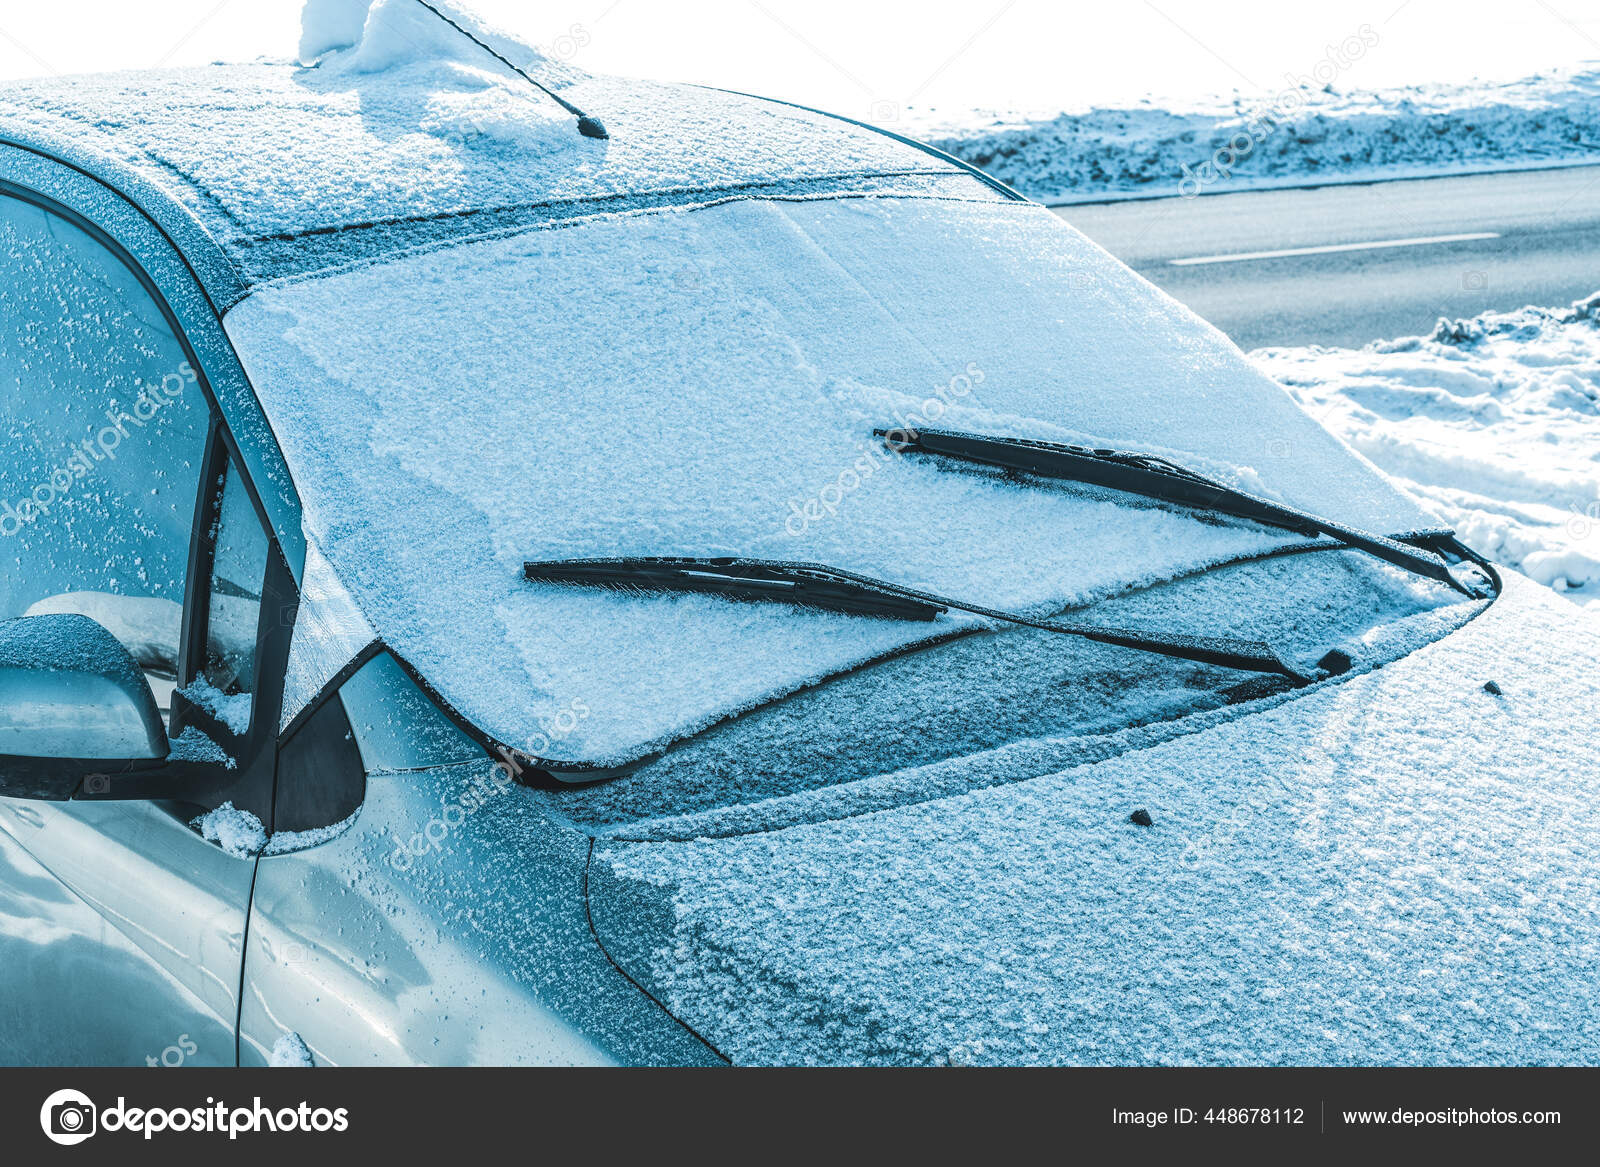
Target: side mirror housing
point(73, 703)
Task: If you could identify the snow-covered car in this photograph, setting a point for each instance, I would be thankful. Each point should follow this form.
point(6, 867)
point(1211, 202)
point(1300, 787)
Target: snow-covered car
point(500, 565)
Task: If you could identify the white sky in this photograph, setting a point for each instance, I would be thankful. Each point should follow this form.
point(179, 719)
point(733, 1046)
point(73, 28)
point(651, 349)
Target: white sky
point(872, 59)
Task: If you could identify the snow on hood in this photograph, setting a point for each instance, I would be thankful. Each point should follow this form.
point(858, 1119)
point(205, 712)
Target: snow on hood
point(705, 382)
point(1398, 869)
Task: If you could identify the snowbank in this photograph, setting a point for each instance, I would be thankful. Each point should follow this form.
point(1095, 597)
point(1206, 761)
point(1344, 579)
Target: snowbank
point(1495, 422)
point(1297, 136)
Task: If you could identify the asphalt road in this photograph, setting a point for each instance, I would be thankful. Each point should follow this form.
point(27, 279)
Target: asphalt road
point(1449, 247)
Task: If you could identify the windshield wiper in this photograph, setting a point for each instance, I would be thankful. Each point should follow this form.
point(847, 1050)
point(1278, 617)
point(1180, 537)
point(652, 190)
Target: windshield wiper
point(805, 584)
point(814, 585)
point(1165, 481)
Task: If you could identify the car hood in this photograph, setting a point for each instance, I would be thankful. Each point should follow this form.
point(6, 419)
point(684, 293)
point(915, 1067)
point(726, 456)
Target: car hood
point(1398, 867)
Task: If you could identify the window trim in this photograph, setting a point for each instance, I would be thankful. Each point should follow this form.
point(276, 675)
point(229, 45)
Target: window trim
point(256, 751)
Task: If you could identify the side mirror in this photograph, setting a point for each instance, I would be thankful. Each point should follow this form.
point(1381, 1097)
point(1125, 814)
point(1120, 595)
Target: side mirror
point(73, 703)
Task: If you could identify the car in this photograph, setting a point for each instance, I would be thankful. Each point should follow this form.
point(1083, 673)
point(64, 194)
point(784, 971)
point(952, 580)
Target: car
point(505, 566)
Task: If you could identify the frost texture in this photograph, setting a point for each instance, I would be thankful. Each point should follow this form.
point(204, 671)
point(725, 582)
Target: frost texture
point(438, 146)
point(148, 627)
point(192, 745)
point(1397, 869)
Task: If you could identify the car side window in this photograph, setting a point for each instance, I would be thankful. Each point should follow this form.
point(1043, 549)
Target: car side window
point(102, 440)
point(226, 685)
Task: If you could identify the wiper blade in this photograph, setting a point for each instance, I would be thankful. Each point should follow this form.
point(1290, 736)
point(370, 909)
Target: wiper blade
point(809, 585)
point(1157, 478)
point(815, 585)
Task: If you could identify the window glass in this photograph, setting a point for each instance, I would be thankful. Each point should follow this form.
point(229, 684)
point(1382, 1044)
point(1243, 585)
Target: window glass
point(233, 612)
point(102, 432)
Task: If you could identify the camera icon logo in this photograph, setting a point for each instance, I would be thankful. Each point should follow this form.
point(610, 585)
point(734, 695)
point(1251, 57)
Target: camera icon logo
point(68, 1117)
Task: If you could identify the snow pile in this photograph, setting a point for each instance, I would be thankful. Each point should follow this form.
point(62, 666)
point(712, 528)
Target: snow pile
point(467, 93)
point(291, 1052)
point(1394, 869)
point(330, 25)
point(241, 834)
point(232, 710)
point(238, 832)
point(1298, 136)
point(386, 34)
point(1495, 422)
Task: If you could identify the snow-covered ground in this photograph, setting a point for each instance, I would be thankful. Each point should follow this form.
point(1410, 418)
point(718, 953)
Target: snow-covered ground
point(1494, 422)
point(1302, 134)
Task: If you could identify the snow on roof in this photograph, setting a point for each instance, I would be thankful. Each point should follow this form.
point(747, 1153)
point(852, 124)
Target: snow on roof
point(276, 160)
point(1394, 870)
point(705, 382)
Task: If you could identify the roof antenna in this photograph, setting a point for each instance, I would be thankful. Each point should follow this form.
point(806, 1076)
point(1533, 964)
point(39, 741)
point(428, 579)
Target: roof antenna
point(587, 126)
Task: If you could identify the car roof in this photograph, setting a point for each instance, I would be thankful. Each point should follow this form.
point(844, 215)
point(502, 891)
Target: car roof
point(292, 170)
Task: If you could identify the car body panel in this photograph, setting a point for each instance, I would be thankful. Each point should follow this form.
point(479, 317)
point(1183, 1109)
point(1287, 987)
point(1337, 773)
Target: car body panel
point(1393, 868)
point(122, 936)
point(446, 925)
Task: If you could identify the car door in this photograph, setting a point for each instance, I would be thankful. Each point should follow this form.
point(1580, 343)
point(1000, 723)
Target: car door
point(121, 927)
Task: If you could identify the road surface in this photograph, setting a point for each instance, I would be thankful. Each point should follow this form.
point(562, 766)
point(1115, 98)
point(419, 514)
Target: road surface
point(1343, 265)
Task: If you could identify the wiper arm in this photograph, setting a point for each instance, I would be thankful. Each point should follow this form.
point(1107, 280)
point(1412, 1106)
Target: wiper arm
point(814, 585)
point(1157, 478)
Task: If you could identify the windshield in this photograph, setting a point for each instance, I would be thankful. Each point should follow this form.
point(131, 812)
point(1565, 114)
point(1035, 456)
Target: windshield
point(705, 382)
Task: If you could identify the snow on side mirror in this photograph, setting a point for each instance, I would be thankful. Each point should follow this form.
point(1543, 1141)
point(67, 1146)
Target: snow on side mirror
point(74, 706)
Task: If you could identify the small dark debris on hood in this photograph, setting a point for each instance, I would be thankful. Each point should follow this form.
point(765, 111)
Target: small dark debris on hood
point(1141, 818)
point(1491, 687)
point(1336, 663)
